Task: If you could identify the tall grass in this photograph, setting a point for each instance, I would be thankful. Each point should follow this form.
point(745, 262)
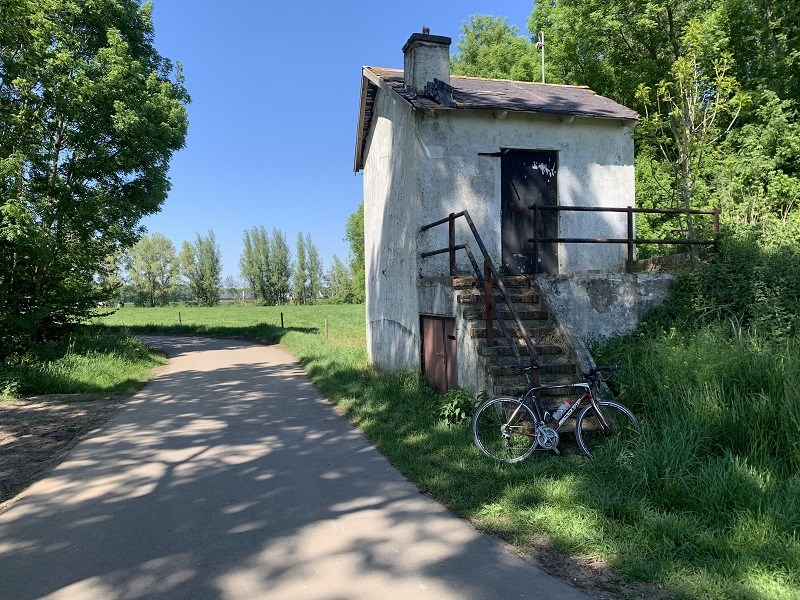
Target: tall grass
point(719, 453)
point(91, 361)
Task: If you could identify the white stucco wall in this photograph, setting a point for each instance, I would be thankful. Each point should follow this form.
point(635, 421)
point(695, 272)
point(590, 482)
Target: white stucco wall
point(391, 199)
point(595, 168)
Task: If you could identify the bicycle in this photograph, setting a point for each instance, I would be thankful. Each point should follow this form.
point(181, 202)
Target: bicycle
point(510, 429)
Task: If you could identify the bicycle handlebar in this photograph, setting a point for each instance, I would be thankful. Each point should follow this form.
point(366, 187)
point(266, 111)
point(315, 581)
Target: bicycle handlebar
point(596, 374)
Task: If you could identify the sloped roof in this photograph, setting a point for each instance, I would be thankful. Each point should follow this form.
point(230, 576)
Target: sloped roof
point(473, 93)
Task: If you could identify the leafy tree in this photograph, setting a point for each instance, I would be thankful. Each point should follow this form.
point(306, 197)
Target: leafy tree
point(300, 273)
point(280, 266)
point(695, 108)
point(354, 235)
point(340, 283)
point(152, 269)
point(90, 115)
point(201, 265)
point(490, 47)
point(314, 265)
point(255, 264)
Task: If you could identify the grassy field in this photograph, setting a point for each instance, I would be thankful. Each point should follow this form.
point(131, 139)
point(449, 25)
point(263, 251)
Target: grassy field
point(703, 504)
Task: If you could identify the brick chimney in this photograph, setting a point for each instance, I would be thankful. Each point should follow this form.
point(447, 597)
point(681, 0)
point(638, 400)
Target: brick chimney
point(425, 57)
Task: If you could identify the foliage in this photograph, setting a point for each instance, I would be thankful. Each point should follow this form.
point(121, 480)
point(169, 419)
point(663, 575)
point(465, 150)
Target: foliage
point(490, 47)
point(152, 267)
point(307, 272)
point(456, 406)
point(201, 265)
point(340, 283)
point(692, 111)
point(354, 235)
point(90, 115)
point(264, 264)
point(754, 282)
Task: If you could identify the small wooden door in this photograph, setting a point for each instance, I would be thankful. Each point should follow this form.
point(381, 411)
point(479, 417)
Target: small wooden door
point(439, 351)
point(528, 177)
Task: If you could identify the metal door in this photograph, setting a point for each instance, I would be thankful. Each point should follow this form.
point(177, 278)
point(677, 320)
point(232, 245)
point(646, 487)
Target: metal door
point(528, 177)
point(439, 352)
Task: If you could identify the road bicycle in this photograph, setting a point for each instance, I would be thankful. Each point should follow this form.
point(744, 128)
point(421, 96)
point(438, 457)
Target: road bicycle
point(510, 429)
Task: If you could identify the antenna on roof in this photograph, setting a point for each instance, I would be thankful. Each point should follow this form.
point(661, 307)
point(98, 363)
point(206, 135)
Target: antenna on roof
point(540, 46)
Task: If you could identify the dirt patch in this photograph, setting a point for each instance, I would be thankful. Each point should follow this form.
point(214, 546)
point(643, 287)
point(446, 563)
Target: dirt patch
point(36, 434)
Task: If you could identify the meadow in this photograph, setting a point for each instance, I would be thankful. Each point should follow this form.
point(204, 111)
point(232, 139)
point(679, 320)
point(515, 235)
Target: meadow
point(701, 505)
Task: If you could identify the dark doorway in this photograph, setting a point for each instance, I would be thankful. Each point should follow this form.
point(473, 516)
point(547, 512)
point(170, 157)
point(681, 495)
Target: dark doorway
point(439, 351)
point(528, 177)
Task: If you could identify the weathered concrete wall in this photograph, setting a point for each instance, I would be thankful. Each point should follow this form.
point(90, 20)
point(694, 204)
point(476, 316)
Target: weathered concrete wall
point(601, 305)
point(391, 206)
point(595, 168)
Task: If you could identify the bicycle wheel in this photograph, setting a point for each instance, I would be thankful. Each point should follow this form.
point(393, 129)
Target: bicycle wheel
point(590, 436)
point(504, 429)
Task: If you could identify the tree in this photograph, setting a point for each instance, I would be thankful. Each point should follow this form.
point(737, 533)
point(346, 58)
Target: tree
point(90, 115)
point(314, 266)
point(152, 269)
point(354, 235)
point(279, 268)
point(201, 265)
point(340, 283)
point(300, 273)
point(695, 109)
point(255, 264)
point(490, 47)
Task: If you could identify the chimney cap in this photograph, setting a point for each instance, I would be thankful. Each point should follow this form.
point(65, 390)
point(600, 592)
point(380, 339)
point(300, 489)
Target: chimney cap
point(427, 37)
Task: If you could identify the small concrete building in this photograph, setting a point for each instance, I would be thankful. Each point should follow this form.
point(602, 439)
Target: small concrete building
point(430, 144)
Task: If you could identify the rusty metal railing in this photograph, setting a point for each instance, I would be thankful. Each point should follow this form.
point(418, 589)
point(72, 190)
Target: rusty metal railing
point(487, 278)
point(630, 241)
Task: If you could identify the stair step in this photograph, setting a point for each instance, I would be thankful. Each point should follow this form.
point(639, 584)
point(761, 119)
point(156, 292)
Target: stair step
point(537, 330)
point(507, 351)
point(499, 370)
point(527, 297)
point(467, 281)
point(478, 313)
point(515, 389)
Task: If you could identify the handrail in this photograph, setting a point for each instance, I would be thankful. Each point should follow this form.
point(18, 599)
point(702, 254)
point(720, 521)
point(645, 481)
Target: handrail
point(630, 241)
point(490, 276)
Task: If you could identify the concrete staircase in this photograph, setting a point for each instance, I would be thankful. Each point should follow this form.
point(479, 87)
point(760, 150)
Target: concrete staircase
point(557, 364)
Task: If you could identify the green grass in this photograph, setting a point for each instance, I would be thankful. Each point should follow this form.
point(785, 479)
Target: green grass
point(345, 323)
point(93, 362)
point(703, 503)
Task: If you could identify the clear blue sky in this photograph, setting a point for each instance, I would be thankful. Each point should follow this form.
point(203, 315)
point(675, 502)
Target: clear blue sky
point(275, 90)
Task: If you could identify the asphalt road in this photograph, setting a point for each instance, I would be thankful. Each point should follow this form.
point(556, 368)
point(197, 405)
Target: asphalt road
point(229, 477)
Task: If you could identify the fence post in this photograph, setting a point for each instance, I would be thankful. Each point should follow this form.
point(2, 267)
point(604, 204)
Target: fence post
point(488, 298)
point(629, 264)
point(452, 243)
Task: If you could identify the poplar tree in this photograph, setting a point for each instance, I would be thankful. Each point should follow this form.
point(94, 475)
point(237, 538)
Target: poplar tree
point(314, 265)
point(300, 273)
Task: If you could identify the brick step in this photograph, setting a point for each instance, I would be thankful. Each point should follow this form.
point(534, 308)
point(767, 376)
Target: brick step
point(545, 368)
point(506, 351)
point(537, 330)
point(514, 386)
point(525, 314)
point(520, 297)
point(464, 282)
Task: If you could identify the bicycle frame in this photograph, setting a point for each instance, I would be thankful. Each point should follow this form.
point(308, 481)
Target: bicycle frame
point(532, 400)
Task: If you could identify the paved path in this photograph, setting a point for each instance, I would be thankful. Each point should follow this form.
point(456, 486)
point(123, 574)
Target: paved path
point(229, 477)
